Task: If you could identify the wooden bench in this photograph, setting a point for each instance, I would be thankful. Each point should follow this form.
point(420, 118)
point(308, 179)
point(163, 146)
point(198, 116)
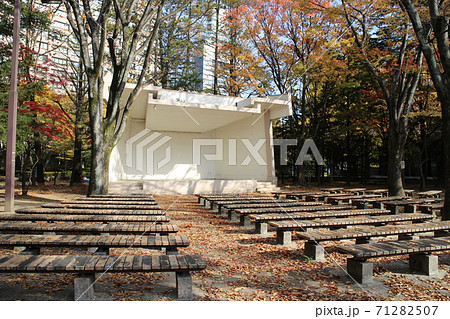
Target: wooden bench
point(223, 208)
point(102, 243)
point(419, 251)
point(201, 197)
point(115, 199)
point(103, 202)
point(363, 235)
point(285, 228)
point(86, 228)
point(376, 202)
point(381, 191)
point(430, 194)
point(355, 191)
point(245, 219)
point(217, 204)
point(394, 206)
point(319, 197)
point(209, 201)
point(385, 192)
point(85, 218)
point(121, 196)
point(301, 195)
point(279, 194)
point(69, 211)
point(430, 208)
point(261, 220)
point(338, 200)
point(86, 266)
point(103, 206)
point(333, 190)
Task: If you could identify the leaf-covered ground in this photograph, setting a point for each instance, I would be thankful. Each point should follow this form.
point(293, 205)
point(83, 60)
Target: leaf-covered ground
point(241, 266)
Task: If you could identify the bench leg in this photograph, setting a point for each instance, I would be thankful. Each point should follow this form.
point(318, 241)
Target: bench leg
point(441, 233)
point(223, 211)
point(261, 228)
point(100, 251)
point(184, 285)
point(408, 237)
point(232, 215)
point(31, 250)
point(171, 251)
point(314, 251)
point(410, 209)
point(284, 237)
point(244, 221)
point(360, 270)
point(393, 208)
point(424, 263)
point(364, 240)
point(83, 287)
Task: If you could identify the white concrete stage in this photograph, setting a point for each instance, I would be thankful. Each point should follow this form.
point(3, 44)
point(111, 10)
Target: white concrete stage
point(183, 142)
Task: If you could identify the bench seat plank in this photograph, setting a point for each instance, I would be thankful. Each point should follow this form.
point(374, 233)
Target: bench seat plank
point(349, 198)
point(115, 199)
point(103, 202)
point(69, 211)
point(293, 209)
point(102, 206)
point(122, 195)
point(400, 247)
point(318, 214)
point(173, 261)
point(15, 260)
point(156, 263)
point(359, 220)
point(273, 204)
point(326, 234)
point(120, 241)
point(432, 193)
point(85, 218)
point(259, 200)
point(87, 228)
point(137, 262)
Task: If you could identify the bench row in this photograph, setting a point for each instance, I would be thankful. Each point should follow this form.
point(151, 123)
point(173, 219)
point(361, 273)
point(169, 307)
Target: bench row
point(86, 266)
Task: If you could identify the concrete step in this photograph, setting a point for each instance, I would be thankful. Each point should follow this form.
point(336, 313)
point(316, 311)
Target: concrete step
point(266, 187)
point(126, 187)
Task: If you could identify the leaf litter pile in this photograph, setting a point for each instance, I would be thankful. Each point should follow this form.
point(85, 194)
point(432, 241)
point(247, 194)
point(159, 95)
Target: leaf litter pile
point(240, 266)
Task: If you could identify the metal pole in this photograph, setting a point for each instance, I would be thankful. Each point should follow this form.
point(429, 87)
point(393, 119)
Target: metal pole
point(12, 114)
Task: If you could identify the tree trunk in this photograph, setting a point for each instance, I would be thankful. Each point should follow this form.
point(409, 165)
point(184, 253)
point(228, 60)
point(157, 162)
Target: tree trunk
point(396, 146)
point(100, 149)
point(446, 135)
point(99, 180)
point(77, 169)
point(40, 169)
point(23, 172)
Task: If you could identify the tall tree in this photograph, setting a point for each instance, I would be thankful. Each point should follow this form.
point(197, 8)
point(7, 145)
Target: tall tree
point(31, 79)
point(382, 34)
point(114, 34)
point(291, 37)
point(431, 26)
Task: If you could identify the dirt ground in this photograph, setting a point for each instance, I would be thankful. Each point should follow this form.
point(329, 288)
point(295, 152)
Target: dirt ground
point(241, 265)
